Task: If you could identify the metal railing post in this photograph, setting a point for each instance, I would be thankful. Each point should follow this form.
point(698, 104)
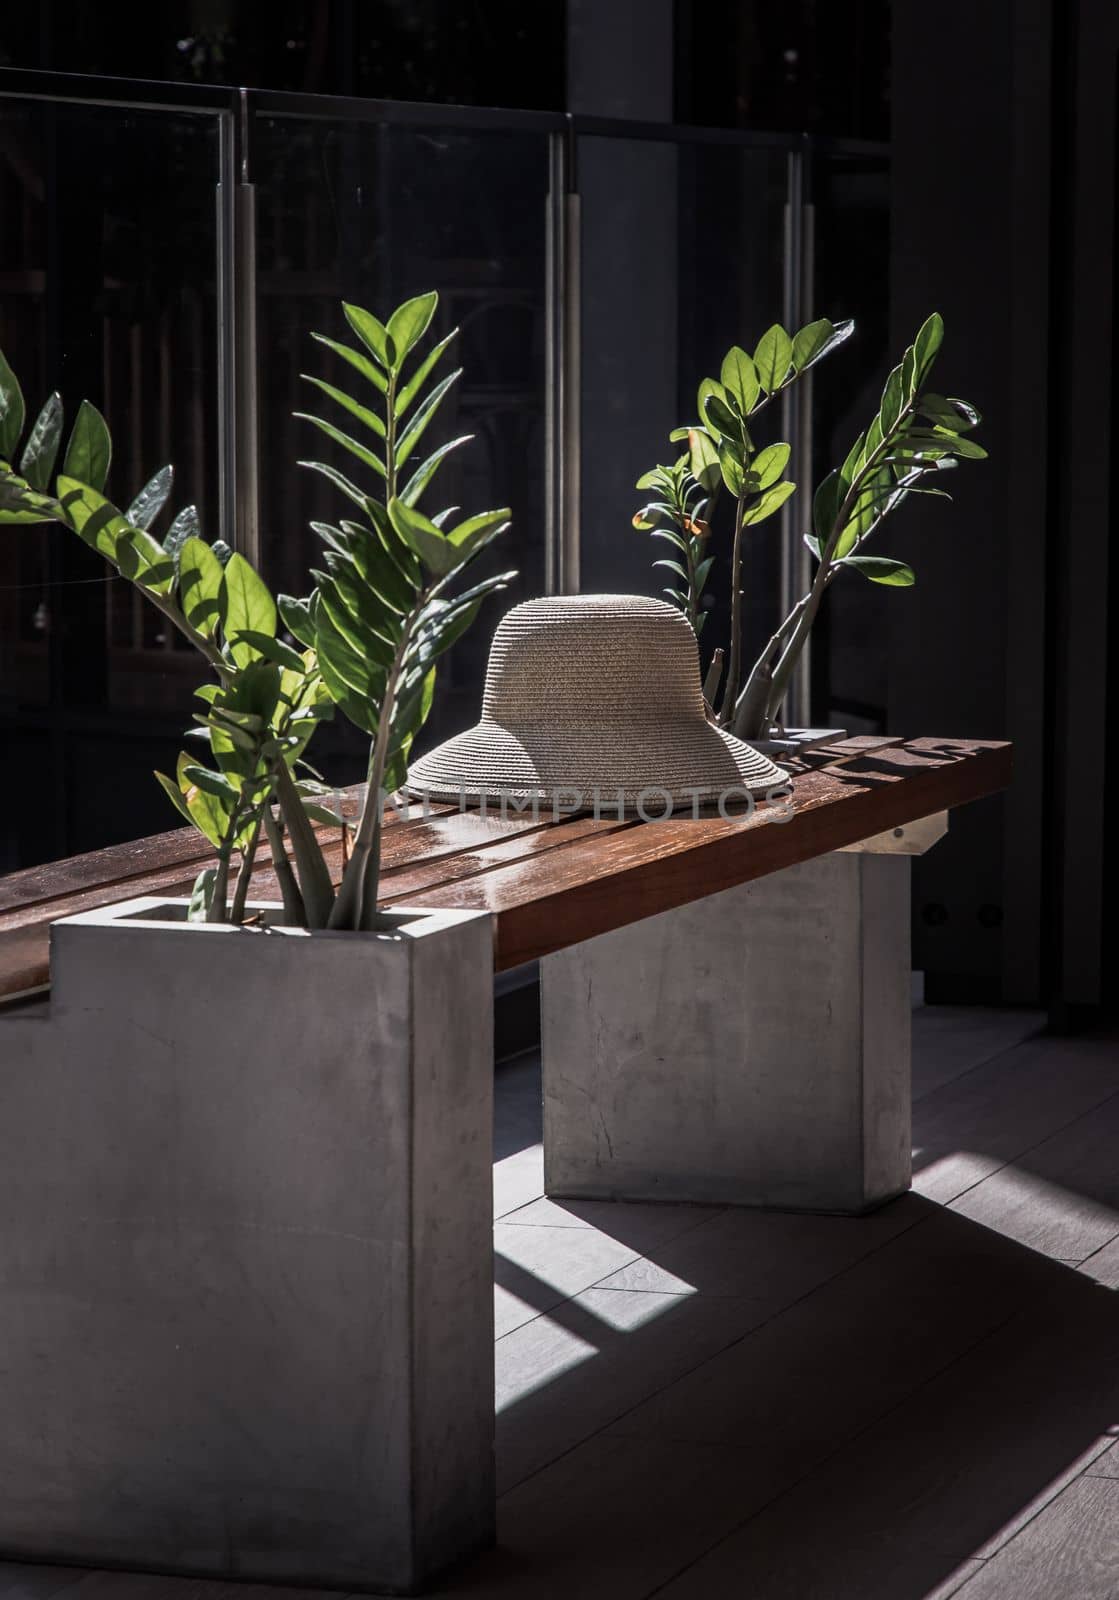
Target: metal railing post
point(796, 424)
point(237, 363)
point(563, 333)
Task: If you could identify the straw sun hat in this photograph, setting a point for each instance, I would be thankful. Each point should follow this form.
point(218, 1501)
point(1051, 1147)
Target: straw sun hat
point(597, 695)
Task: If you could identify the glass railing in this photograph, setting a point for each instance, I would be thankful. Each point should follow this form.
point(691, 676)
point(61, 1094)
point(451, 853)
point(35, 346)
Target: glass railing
point(168, 251)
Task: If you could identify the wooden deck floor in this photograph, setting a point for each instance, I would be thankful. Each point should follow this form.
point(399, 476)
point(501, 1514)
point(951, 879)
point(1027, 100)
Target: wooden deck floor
point(700, 1404)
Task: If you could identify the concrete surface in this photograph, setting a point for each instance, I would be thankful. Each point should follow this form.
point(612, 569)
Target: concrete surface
point(752, 1048)
point(245, 1254)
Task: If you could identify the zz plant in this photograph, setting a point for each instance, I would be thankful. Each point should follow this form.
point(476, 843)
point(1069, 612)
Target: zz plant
point(385, 607)
point(914, 436)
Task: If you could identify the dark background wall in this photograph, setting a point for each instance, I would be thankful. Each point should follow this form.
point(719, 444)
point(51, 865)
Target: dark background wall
point(996, 207)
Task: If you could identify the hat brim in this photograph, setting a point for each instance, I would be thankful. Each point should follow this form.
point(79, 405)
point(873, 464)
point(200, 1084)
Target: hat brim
point(690, 762)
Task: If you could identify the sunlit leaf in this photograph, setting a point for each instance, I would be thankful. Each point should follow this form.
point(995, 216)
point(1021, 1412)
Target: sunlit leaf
point(773, 358)
point(12, 411)
point(409, 322)
point(41, 450)
point(90, 449)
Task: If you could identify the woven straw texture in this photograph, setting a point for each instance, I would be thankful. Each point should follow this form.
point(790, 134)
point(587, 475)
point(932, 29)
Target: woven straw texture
point(593, 693)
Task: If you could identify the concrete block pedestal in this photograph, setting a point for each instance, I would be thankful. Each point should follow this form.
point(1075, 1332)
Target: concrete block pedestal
point(246, 1323)
point(751, 1048)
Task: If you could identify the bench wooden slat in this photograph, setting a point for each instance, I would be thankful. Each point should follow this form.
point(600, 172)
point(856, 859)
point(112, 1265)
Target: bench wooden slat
point(593, 886)
point(549, 884)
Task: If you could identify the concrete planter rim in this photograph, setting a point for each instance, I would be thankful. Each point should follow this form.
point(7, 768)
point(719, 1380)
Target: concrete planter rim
point(141, 914)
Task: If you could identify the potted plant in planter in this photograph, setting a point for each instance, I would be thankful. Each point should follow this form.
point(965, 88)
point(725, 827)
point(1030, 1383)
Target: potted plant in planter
point(914, 436)
point(272, 1121)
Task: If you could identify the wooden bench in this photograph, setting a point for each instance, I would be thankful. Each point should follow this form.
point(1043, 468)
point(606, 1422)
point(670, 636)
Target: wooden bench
point(725, 1000)
point(548, 884)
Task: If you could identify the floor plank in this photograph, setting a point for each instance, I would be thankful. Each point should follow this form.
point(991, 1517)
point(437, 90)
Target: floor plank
point(23, 1581)
point(826, 1368)
point(1069, 1552)
point(611, 1350)
point(702, 1404)
point(1062, 1196)
point(969, 1128)
point(949, 1041)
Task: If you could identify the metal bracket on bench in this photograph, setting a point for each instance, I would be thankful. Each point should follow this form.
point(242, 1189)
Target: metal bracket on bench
point(911, 840)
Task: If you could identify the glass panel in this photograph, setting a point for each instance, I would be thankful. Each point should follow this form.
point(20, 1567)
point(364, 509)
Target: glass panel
point(852, 223)
point(107, 261)
point(682, 251)
point(372, 214)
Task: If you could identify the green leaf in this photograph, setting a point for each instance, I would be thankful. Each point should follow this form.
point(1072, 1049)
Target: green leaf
point(12, 411)
point(469, 534)
point(409, 322)
point(151, 499)
point(892, 401)
point(356, 360)
point(423, 416)
point(355, 685)
point(416, 382)
point(817, 340)
point(718, 414)
point(207, 814)
point(185, 526)
point(272, 649)
point(424, 473)
point(436, 552)
point(826, 504)
point(245, 606)
point(879, 569)
point(730, 465)
point(773, 358)
point(740, 379)
point(377, 568)
point(296, 618)
point(201, 895)
point(704, 459)
point(358, 613)
point(854, 459)
point(38, 458)
point(768, 465)
point(813, 544)
point(200, 585)
point(350, 490)
point(649, 480)
point(372, 333)
point(363, 414)
point(216, 784)
point(767, 503)
point(368, 457)
point(926, 345)
point(175, 795)
point(90, 449)
point(945, 413)
point(20, 504)
point(91, 516)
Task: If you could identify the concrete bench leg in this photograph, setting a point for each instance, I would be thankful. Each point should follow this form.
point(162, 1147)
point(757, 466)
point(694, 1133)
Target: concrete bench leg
point(748, 1049)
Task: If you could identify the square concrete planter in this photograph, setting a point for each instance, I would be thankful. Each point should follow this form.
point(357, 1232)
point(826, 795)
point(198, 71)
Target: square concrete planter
point(246, 1322)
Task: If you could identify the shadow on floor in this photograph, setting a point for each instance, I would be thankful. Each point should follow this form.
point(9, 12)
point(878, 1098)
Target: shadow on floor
point(790, 1407)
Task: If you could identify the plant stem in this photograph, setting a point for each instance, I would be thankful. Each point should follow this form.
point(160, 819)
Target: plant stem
point(217, 908)
point(248, 856)
point(811, 601)
point(356, 904)
point(734, 667)
point(294, 914)
point(310, 863)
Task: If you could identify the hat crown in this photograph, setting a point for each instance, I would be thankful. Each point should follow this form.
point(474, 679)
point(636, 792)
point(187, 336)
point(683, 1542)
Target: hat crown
point(579, 657)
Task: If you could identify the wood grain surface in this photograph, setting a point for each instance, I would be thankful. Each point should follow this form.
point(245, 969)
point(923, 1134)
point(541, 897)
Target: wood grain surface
point(548, 883)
